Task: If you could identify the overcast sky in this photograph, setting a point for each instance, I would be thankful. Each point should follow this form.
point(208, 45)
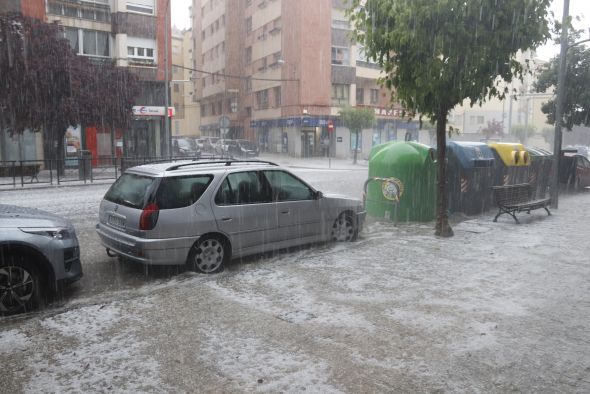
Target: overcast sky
point(581, 8)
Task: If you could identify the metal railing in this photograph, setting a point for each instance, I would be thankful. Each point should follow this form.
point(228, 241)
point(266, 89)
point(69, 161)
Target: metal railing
point(82, 170)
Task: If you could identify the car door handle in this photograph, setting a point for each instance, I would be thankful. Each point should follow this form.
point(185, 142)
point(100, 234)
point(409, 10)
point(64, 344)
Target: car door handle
point(285, 212)
point(226, 219)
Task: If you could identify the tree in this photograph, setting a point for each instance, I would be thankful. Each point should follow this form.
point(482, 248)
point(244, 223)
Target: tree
point(437, 53)
point(576, 103)
point(494, 128)
point(523, 132)
point(46, 87)
point(357, 119)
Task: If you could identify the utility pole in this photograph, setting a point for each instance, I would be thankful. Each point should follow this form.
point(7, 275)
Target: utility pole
point(559, 105)
point(167, 84)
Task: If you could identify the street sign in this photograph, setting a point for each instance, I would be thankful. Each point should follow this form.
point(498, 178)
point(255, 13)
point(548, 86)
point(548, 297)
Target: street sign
point(224, 122)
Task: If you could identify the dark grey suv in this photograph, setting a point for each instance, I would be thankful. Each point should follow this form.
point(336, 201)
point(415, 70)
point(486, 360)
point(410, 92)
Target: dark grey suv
point(39, 251)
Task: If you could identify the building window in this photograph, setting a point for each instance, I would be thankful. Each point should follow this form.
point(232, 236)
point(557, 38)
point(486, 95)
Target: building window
point(73, 37)
point(140, 53)
point(360, 96)
point(339, 94)
point(220, 107)
point(88, 42)
point(248, 55)
point(233, 104)
point(249, 112)
point(248, 87)
point(262, 99)
point(374, 96)
point(141, 8)
point(203, 110)
point(249, 24)
point(340, 56)
point(176, 88)
point(277, 94)
point(95, 43)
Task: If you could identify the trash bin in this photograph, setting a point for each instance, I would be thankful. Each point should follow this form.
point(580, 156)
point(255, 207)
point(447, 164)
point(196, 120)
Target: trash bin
point(402, 182)
point(470, 174)
point(511, 163)
point(539, 171)
point(84, 165)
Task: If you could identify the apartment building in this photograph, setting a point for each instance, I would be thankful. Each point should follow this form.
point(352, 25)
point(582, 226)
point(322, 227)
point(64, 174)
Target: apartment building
point(281, 70)
point(129, 33)
point(186, 120)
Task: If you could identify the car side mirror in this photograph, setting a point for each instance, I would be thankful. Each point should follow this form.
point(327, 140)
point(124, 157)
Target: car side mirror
point(318, 195)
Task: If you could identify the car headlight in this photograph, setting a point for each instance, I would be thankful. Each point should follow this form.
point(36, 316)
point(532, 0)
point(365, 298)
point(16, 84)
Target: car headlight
point(52, 232)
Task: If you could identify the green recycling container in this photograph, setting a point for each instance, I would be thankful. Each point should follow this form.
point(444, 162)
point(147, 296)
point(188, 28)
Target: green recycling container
point(402, 182)
point(540, 171)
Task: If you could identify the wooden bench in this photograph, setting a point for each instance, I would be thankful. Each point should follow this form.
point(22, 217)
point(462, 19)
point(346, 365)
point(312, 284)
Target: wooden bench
point(18, 170)
point(517, 198)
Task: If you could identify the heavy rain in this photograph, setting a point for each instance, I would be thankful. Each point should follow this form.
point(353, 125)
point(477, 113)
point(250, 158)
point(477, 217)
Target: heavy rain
point(294, 195)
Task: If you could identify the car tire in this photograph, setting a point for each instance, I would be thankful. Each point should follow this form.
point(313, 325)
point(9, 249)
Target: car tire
point(208, 255)
point(21, 287)
point(344, 229)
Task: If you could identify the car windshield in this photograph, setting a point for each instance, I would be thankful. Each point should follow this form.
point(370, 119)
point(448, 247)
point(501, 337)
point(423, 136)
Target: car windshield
point(130, 190)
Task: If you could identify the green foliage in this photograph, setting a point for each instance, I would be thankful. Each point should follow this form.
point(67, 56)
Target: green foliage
point(576, 103)
point(436, 53)
point(493, 129)
point(357, 119)
point(523, 132)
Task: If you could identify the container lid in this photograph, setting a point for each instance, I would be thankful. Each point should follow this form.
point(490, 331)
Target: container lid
point(471, 154)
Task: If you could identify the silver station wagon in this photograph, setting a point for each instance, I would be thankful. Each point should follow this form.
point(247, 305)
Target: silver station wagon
point(203, 213)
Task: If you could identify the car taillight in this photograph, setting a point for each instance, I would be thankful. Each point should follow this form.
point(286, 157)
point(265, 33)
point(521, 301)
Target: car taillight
point(149, 217)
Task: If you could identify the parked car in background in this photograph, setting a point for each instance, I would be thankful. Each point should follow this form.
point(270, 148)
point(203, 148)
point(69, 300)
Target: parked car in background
point(185, 147)
point(39, 252)
point(209, 144)
point(236, 148)
point(574, 170)
point(247, 148)
point(203, 213)
point(201, 143)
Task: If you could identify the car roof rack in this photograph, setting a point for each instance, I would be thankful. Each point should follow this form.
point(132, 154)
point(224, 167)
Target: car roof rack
point(218, 160)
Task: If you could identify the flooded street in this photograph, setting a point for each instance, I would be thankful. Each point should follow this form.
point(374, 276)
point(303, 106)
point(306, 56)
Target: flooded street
point(499, 307)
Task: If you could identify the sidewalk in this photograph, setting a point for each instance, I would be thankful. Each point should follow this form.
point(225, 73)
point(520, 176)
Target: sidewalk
point(315, 162)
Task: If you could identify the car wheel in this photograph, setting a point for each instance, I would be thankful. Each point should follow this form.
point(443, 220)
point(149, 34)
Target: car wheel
point(343, 229)
point(209, 255)
point(20, 285)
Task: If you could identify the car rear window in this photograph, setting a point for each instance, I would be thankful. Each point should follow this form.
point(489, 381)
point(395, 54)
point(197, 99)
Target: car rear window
point(182, 191)
point(130, 190)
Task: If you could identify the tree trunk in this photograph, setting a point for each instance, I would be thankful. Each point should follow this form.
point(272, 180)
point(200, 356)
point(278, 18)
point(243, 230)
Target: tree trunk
point(443, 229)
point(356, 146)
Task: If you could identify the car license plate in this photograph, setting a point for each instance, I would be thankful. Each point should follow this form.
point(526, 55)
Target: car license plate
point(117, 221)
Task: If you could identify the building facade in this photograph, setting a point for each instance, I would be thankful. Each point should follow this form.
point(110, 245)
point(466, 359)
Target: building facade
point(133, 34)
point(281, 70)
point(186, 120)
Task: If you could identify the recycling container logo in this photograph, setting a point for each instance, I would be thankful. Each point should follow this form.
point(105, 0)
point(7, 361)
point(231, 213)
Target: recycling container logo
point(392, 189)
